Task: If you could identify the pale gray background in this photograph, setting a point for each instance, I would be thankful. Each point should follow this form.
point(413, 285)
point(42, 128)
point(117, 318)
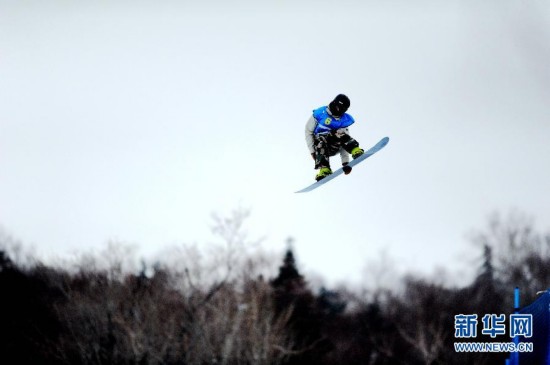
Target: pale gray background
point(133, 121)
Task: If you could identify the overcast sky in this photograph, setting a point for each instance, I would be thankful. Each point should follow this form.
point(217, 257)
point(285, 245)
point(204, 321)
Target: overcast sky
point(134, 121)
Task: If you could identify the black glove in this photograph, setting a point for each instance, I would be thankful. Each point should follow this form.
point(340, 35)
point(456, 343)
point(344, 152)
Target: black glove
point(347, 168)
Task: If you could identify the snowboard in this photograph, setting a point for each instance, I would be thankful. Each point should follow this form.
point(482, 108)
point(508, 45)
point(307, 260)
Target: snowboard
point(377, 147)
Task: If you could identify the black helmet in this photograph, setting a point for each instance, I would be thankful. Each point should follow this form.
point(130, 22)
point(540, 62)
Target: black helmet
point(339, 105)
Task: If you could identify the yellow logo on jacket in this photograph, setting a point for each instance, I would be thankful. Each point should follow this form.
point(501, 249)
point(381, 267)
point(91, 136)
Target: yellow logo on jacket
point(327, 121)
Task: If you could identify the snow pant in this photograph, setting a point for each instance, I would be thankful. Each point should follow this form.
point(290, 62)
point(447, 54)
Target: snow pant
point(329, 144)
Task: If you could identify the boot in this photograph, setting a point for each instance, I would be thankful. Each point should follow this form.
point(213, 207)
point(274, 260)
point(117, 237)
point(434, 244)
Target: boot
point(356, 152)
point(323, 172)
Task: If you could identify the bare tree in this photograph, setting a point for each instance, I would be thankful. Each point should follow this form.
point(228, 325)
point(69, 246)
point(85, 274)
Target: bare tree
point(521, 253)
point(423, 319)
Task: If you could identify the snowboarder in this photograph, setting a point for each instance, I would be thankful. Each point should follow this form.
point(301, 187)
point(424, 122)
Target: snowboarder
point(327, 134)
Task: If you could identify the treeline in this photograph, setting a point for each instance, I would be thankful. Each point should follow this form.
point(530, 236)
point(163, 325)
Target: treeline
point(232, 313)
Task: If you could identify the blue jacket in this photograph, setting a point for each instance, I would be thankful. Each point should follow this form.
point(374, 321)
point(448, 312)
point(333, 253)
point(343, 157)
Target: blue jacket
point(327, 123)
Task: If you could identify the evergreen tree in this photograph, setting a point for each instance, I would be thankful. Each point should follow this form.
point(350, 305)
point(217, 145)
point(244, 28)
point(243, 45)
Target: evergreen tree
point(306, 321)
point(487, 274)
point(28, 324)
point(289, 278)
point(485, 293)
